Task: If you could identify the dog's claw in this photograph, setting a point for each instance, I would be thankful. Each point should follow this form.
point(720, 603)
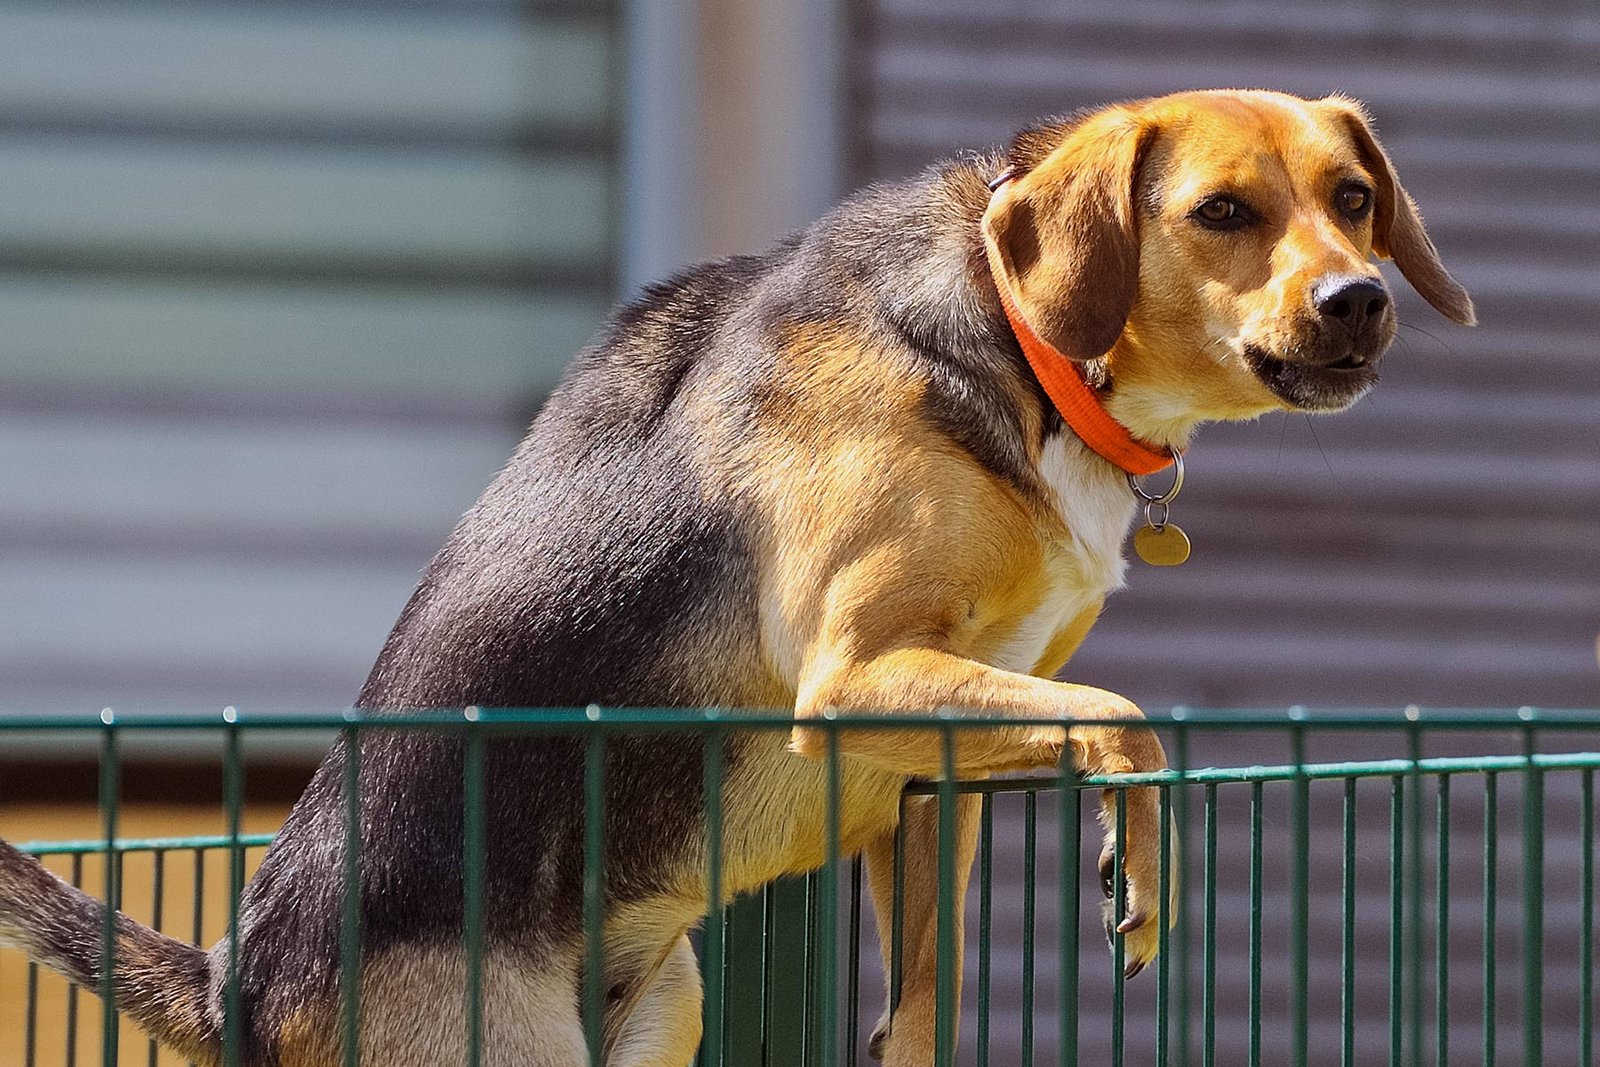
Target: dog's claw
point(1132, 970)
point(1108, 874)
point(1132, 923)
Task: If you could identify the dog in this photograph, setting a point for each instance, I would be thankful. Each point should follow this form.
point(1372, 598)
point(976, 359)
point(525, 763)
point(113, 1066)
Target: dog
point(881, 467)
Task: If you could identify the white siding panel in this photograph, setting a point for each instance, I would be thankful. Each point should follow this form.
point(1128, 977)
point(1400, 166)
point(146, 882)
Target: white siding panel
point(242, 202)
point(477, 71)
point(240, 486)
point(457, 343)
point(133, 615)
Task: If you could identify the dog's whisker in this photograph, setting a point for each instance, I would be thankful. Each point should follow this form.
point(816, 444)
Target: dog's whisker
point(1441, 342)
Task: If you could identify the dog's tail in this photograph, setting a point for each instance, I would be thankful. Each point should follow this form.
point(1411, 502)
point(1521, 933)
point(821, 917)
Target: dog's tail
point(159, 983)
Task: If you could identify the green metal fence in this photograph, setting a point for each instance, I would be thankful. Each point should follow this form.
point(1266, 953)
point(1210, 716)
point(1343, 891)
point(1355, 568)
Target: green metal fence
point(1429, 903)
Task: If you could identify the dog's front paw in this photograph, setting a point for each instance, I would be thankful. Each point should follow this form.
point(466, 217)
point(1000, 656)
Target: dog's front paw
point(1138, 921)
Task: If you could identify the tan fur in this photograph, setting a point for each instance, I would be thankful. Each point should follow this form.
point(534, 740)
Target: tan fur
point(413, 1013)
point(662, 1028)
point(906, 1038)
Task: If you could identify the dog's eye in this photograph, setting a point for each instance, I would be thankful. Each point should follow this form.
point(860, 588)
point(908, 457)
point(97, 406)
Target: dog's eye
point(1220, 213)
point(1353, 201)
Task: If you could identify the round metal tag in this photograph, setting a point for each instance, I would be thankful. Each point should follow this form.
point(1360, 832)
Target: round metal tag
point(1161, 546)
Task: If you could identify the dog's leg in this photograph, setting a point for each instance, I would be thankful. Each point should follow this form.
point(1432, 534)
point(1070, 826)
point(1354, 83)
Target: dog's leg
point(663, 1027)
point(907, 1040)
point(1109, 737)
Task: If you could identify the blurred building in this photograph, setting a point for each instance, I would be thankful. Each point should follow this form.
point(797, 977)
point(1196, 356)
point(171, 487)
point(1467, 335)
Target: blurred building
point(282, 282)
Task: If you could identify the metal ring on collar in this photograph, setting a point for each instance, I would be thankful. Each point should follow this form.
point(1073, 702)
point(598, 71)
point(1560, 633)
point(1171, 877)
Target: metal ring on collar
point(1170, 494)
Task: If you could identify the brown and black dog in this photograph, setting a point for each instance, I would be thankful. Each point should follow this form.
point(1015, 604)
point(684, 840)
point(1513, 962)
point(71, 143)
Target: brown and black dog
point(825, 477)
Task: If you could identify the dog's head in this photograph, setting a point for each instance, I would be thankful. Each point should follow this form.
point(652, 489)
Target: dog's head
point(1217, 248)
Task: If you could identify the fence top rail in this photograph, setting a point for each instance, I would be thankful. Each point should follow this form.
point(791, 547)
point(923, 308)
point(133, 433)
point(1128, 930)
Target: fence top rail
point(97, 845)
point(1390, 768)
point(656, 719)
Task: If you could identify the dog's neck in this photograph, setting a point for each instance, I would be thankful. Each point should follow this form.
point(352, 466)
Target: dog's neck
point(1154, 413)
point(1158, 416)
point(950, 304)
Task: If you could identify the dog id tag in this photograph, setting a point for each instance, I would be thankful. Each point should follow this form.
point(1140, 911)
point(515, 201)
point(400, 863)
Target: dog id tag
point(1161, 546)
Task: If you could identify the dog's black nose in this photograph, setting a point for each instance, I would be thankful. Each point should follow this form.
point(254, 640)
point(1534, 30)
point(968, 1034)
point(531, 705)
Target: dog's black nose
point(1352, 301)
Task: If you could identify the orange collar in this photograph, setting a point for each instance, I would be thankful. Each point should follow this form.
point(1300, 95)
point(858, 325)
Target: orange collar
point(1080, 408)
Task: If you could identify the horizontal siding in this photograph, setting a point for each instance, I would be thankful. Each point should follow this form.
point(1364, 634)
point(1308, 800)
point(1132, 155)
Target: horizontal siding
point(1433, 544)
point(121, 198)
point(1438, 544)
point(281, 284)
point(468, 71)
point(204, 485)
point(185, 565)
point(483, 343)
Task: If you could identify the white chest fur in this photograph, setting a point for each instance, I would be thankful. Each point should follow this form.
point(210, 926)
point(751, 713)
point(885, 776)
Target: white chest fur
point(1095, 505)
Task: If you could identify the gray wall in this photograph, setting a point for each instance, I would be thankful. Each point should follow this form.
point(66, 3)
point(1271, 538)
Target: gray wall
point(1439, 544)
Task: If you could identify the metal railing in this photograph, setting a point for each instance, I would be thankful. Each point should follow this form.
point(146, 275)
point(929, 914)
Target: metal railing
point(1407, 908)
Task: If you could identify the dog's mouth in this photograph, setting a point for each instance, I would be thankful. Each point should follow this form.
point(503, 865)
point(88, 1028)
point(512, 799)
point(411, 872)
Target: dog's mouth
point(1330, 386)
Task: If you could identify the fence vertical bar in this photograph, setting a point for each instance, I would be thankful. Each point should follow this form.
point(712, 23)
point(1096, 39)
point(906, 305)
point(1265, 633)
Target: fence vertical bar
point(1586, 926)
point(852, 997)
point(1163, 939)
point(1030, 827)
point(897, 915)
point(944, 1018)
point(716, 927)
point(1347, 929)
point(1491, 885)
point(829, 944)
point(72, 990)
point(769, 922)
point(985, 922)
point(350, 926)
point(110, 767)
point(1208, 948)
point(809, 1044)
point(199, 913)
point(1299, 903)
point(1414, 895)
point(1532, 907)
point(1397, 800)
point(472, 884)
point(1255, 924)
point(1441, 1000)
point(594, 844)
point(233, 795)
point(158, 915)
point(1119, 911)
point(1180, 961)
point(1067, 959)
point(30, 1054)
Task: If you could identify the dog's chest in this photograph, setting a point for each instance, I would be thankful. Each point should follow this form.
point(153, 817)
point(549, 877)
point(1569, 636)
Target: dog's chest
point(1081, 567)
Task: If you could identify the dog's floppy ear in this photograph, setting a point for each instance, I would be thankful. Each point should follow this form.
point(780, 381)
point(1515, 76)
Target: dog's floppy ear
point(1397, 231)
point(1065, 234)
